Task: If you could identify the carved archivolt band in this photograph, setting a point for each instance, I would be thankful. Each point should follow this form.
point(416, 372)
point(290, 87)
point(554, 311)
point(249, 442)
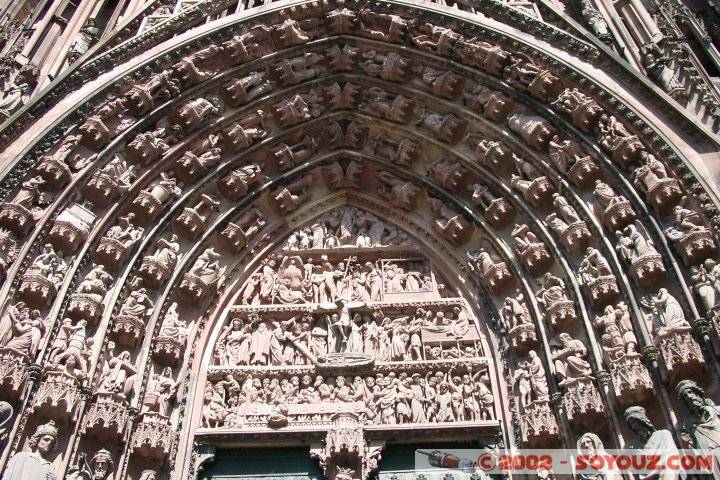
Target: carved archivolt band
point(543, 203)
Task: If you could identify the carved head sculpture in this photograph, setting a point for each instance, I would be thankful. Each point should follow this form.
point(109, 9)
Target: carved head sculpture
point(692, 395)
point(590, 444)
point(148, 475)
point(44, 438)
point(639, 422)
point(102, 465)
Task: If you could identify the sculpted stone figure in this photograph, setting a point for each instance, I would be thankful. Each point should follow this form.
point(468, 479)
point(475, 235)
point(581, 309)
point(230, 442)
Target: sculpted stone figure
point(566, 223)
point(530, 381)
point(673, 335)
point(654, 442)
point(198, 160)
point(531, 250)
point(596, 20)
point(532, 185)
point(402, 151)
point(249, 130)
point(382, 26)
point(117, 242)
point(522, 73)
point(449, 224)
point(110, 182)
point(42, 279)
point(336, 177)
point(434, 38)
point(395, 108)
point(86, 302)
point(192, 222)
point(572, 160)
point(388, 66)
point(442, 83)
point(637, 248)
point(83, 40)
point(198, 66)
point(160, 390)
point(687, 225)
point(287, 156)
point(141, 98)
point(449, 174)
point(667, 313)
point(583, 110)
point(447, 127)
point(100, 467)
point(704, 431)
point(618, 337)
point(238, 182)
point(147, 147)
point(118, 372)
point(651, 177)
point(299, 108)
point(569, 357)
point(486, 56)
point(534, 130)
point(191, 115)
point(34, 465)
point(494, 273)
point(243, 90)
point(658, 64)
point(491, 153)
point(595, 273)
point(149, 202)
point(157, 267)
point(517, 322)
point(21, 330)
point(590, 445)
point(289, 198)
point(399, 193)
point(616, 140)
point(21, 210)
point(236, 234)
point(613, 210)
point(553, 298)
point(493, 104)
point(498, 211)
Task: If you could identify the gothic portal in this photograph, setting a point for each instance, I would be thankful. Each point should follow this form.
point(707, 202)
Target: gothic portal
point(303, 239)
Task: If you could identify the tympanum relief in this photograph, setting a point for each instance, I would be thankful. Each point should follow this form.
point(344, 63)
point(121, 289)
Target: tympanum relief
point(348, 317)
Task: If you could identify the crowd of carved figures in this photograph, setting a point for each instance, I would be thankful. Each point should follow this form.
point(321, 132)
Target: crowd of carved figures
point(424, 335)
point(406, 397)
point(346, 227)
point(140, 183)
point(293, 279)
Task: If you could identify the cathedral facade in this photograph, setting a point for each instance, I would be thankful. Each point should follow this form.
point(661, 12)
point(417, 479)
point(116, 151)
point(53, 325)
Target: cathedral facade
point(305, 239)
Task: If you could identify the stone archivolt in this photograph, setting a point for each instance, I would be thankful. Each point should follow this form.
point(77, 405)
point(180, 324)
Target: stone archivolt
point(347, 306)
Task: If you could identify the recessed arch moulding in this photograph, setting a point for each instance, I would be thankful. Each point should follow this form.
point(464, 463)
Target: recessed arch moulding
point(322, 218)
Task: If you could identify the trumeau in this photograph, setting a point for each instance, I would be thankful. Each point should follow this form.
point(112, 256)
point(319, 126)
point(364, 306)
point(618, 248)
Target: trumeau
point(344, 229)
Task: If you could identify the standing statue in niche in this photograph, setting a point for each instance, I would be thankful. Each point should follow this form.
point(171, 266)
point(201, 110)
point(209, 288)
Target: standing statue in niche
point(25, 333)
point(569, 357)
point(704, 432)
point(654, 442)
point(34, 465)
point(590, 445)
point(101, 466)
point(161, 388)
